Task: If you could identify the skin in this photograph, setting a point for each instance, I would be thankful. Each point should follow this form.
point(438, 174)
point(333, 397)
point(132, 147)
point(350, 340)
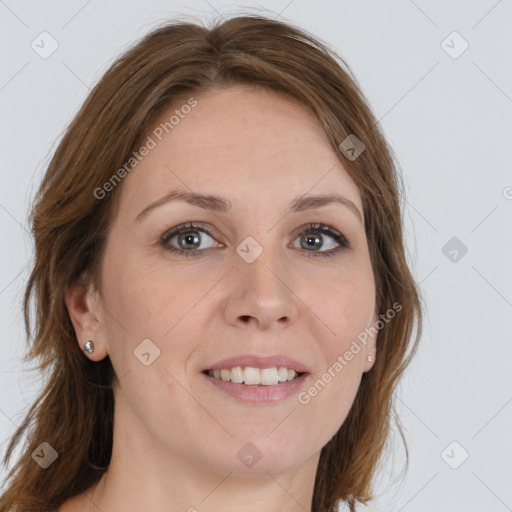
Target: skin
point(176, 438)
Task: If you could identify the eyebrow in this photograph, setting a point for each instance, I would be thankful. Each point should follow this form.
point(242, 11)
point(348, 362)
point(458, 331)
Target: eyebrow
point(221, 205)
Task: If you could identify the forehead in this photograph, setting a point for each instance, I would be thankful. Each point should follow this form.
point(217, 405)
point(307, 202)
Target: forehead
point(248, 144)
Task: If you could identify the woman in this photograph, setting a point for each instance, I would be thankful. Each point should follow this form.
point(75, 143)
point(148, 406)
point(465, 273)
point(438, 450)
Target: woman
point(222, 294)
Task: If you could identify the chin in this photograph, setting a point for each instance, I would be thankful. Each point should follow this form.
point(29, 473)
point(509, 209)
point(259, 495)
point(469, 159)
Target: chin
point(253, 455)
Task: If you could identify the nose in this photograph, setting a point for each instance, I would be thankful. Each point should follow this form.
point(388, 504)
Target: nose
point(261, 294)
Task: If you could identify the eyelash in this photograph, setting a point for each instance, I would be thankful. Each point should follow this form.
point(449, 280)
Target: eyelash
point(317, 228)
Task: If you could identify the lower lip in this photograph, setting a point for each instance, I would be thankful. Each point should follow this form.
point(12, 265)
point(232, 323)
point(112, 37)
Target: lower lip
point(258, 394)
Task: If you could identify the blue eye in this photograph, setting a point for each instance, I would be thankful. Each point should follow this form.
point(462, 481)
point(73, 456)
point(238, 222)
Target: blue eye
point(189, 239)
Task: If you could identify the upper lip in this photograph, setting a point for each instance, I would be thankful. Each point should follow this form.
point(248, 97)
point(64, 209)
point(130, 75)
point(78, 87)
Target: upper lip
point(260, 362)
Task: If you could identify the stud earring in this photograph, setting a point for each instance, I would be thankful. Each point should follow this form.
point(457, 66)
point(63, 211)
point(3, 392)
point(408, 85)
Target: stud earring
point(371, 359)
point(89, 346)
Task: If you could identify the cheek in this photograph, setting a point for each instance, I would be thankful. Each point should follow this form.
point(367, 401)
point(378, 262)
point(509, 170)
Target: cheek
point(329, 395)
point(146, 297)
point(343, 308)
point(346, 310)
point(327, 401)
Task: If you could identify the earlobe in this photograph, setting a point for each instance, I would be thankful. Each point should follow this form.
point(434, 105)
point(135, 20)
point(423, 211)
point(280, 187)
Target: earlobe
point(89, 346)
point(86, 315)
point(370, 361)
point(371, 346)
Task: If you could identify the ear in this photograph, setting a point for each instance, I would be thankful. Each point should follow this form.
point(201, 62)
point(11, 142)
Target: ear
point(371, 345)
point(87, 316)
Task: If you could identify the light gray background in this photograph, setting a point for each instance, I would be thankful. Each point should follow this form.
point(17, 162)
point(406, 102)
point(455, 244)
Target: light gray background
point(449, 121)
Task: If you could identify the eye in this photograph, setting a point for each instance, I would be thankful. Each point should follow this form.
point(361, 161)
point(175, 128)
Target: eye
point(188, 238)
point(309, 239)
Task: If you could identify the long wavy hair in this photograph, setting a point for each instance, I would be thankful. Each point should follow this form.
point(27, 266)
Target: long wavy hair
point(75, 411)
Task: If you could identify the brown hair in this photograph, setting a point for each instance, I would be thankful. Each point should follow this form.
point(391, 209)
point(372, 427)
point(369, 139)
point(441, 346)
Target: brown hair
point(74, 414)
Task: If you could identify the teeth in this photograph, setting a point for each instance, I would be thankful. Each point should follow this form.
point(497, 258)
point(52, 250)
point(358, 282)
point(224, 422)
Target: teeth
point(282, 374)
point(254, 376)
point(269, 376)
point(237, 375)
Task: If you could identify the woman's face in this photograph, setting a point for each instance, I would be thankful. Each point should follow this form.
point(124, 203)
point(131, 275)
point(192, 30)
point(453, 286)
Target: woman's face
point(242, 284)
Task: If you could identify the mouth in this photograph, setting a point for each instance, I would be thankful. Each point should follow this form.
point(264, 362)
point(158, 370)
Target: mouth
point(252, 386)
point(255, 377)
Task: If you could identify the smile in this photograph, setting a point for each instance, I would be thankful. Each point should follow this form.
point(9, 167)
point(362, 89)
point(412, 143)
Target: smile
point(252, 376)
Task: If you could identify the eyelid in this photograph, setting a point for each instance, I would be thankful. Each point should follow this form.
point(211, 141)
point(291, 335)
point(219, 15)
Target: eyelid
point(343, 242)
point(325, 229)
point(176, 230)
